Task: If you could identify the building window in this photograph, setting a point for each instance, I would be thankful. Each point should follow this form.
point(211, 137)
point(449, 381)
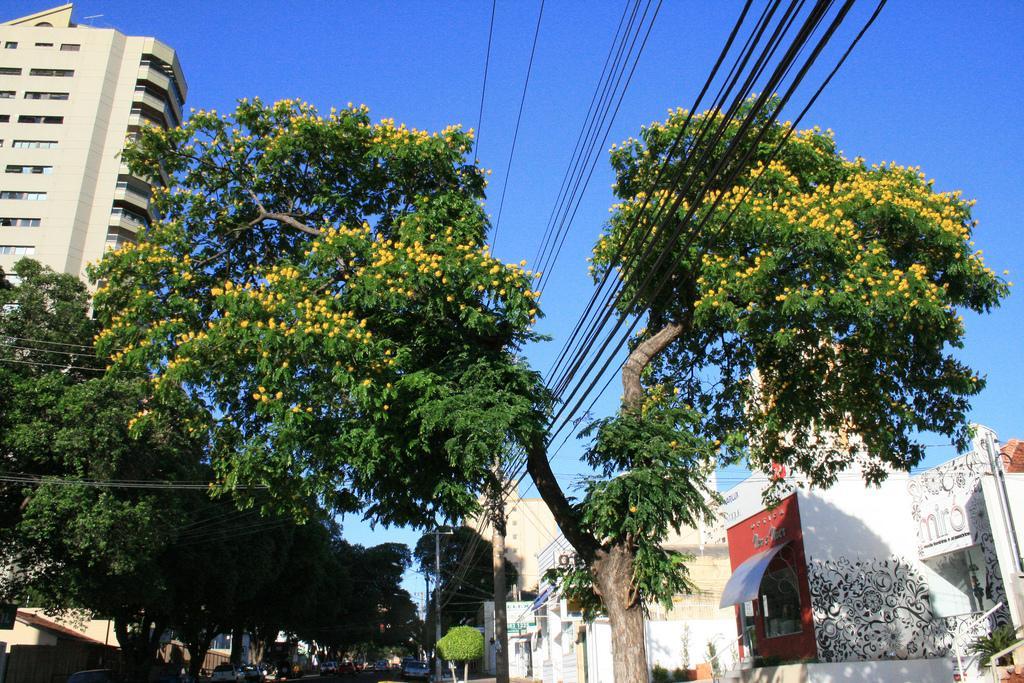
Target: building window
point(16, 250)
point(10, 45)
point(6, 94)
point(35, 95)
point(44, 44)
point(22, 168)
point(61, 73)
point(780, 603)
point(4, 118)
point(958, 582)
point(70, 47)
point(10, 71)
point(26, 118)
point(8, 222)
point(34, 144)
point(19, 194)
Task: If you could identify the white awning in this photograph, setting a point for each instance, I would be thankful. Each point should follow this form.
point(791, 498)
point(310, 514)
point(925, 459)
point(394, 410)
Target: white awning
point(745, 582)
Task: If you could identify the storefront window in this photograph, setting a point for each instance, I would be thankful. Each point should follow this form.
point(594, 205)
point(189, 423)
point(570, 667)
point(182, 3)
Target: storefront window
point(958, 582)
point(780, 603)
point(749, 631)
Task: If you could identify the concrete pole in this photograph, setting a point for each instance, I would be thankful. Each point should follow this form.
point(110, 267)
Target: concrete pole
point(500, 615)
point(437, 603)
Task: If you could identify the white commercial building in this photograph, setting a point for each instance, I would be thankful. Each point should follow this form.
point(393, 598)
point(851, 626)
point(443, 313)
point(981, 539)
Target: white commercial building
point(70, 96)
point(881, 584)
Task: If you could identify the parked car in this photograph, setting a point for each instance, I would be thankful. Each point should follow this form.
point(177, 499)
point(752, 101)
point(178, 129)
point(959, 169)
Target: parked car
point(347, 667)
point(177, 678)
point(329, 668)
point(381, 665)
point(252, 674)
point(228, 672)
point(416, 669)
point(94, 676)
point(284, 670)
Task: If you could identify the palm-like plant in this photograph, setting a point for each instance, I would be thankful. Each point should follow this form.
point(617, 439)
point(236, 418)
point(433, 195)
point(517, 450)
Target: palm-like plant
point(996, 641)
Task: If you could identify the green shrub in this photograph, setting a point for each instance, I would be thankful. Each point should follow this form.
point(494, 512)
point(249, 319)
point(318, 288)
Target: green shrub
point(660, 674)
point(461, 644)
point(681, 675)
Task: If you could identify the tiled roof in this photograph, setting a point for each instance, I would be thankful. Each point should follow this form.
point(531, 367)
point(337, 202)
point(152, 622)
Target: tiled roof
point(1013, 455)
point(34, 620)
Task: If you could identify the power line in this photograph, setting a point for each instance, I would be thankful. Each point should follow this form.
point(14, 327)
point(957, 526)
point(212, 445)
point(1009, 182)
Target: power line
point(515, 134)
point(729, 179)
point(39, 480)
point(73, 354)
point(572, 205)
point(813, 20)
point(483, 88)
point(44, 341)
point(52, 365)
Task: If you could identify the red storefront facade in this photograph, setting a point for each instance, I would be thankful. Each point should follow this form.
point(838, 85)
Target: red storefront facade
point(780, 619)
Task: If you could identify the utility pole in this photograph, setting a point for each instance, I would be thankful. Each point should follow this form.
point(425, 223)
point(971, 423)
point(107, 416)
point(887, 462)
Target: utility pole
point(498, 526)
point(437, 597)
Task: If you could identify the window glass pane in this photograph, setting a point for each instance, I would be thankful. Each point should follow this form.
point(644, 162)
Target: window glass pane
point(958, 582)
point(780, 603)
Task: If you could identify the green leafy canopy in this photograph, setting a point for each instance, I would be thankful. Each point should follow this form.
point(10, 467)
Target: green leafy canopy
point(322, 285)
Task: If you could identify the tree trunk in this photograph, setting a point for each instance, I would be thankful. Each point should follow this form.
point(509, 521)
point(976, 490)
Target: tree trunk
point(138, 643)
point(611, 563)
point(613, 573)
point(197, 640)
point(465, 672)
point(498, 568)
point(237, 638)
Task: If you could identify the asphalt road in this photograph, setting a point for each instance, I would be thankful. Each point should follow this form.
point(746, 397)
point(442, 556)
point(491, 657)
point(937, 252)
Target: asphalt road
point(362, 677)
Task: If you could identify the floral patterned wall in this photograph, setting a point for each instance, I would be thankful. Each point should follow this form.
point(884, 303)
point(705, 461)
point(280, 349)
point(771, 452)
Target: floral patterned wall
point(879, 608)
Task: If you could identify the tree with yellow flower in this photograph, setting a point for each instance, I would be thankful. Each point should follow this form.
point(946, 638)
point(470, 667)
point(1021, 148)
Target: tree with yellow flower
point(322, 284)
point(806, 315)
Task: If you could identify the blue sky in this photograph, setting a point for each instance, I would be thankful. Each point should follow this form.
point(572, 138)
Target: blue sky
point(935, 84)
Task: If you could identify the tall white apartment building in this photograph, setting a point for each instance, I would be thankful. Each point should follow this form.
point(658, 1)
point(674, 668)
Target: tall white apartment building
point(70, 97)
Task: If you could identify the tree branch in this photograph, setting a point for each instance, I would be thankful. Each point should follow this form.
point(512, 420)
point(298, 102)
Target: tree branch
point(565, 515)
point(632, 389)
point(286, 218)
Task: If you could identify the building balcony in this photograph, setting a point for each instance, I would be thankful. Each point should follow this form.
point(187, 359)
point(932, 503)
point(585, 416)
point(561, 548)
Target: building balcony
point(127, 220)
point(137, 198)
point(163, 105)
point(154, 76)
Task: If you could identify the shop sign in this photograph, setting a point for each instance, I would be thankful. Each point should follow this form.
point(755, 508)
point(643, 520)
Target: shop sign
point(747, 498)
point(519, 617)
point(943, 526)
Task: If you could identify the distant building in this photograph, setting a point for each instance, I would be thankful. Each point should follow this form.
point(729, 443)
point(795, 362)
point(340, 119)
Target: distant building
point(530, 527)
point(70, 96)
